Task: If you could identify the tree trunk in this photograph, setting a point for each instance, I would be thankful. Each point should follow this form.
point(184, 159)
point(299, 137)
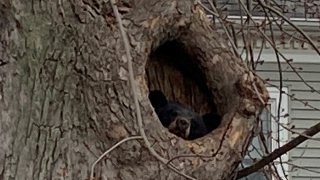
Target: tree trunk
point(65, 96)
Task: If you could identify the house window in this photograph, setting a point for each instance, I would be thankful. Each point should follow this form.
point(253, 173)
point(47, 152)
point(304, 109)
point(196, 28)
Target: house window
point(266, 139)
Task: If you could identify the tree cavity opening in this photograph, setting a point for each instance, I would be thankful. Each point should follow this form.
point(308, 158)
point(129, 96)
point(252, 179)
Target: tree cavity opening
point(178, 92)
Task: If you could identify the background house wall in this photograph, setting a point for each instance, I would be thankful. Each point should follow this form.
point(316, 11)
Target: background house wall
point(304, 161)
point(306, 155)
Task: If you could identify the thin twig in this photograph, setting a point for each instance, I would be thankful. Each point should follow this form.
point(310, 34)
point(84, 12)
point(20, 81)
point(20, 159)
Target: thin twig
point(134, 94)
point(307, 134)
point(305, 103)
point(109, 150)
point(280, 151)
point(288, 61)
point(280, 94)
point(208, 10)
point(215, 12)
point(275, 118)
point(293, 25)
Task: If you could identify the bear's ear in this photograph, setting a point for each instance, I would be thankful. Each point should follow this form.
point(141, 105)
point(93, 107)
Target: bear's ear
point(211, 120)
point(157, 99)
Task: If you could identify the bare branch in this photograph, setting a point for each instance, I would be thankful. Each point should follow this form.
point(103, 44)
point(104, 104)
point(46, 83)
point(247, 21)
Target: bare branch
point(276, 119)
point(216, 13)
point(280, 151)
point(293, 25)
point(109, 150)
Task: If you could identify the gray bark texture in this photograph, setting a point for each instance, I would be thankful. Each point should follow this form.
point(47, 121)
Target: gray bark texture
point(65, 96)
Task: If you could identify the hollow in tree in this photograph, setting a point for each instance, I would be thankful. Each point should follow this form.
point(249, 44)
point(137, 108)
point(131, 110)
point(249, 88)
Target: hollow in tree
point(65, 96)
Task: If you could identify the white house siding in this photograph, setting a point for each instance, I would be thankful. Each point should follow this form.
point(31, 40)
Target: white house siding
point(300, 10)
point(306, 155)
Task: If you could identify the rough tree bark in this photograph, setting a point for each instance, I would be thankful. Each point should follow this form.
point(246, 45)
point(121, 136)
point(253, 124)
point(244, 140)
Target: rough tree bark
point(65, 96)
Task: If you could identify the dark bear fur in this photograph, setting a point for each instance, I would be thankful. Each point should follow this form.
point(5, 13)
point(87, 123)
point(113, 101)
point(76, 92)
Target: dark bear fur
point(180, 120)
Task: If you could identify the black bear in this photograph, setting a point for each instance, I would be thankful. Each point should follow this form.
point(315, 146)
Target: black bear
point(180, 120)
